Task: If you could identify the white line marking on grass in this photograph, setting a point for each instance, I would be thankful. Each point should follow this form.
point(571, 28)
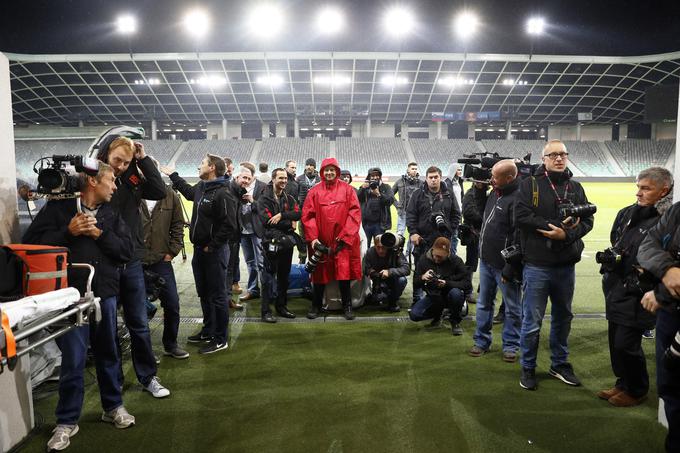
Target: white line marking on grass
point(335, 447)
point(236, 326)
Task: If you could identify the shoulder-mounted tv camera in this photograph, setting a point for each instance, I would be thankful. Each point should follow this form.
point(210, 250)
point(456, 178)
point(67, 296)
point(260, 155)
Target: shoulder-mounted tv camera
point(478, 166)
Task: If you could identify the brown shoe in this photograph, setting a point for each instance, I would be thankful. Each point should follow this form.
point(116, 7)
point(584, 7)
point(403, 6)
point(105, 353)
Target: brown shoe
point(234, 305)
point(623, 399)
point(606, 394)
point(476, 351)
point(236, 289)
point(509, 356)
point(248, 296)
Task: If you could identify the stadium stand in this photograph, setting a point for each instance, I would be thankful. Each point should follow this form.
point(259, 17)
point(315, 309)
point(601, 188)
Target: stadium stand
point(276, 151)
point(441, 153)
point(161, 150)
point(359, 154)
point(515, 148)
point(635, 155)
point(29, 151)
point(188, 159)
point(589, 158)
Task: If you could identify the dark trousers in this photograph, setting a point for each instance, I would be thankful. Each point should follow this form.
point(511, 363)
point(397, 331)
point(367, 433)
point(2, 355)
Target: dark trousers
point(234, 263)
point(170, 303)
point(667, 381)
point(472, 255)
point(628, 359)
point(345, 293)
point(431, 307)
point(418, 251)
point(275, 279)
point(372, 230)
point(73, 346)
point(210, 276)
point(133, 299)
point(395, 288)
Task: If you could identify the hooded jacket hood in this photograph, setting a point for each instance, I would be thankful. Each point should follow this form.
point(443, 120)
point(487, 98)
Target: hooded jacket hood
point(329, 162)
point(374, 170)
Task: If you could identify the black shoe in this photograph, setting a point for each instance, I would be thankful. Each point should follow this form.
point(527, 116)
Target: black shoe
point(565, 373)
point(314, 313)
point(456, 329)
point(499, 318)
point(393, 308)
point(213, 346)
point(349, 315)
point(268, 317)
point(198, 338)
point(527, 379)
point(285, 313)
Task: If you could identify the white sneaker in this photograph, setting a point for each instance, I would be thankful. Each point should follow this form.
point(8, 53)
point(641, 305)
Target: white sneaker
point(61, 437)
point(119, 417)
point(156, 389)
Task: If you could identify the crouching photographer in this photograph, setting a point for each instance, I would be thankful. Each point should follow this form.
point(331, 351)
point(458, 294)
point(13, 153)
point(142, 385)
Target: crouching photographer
point(624, 286)
point(387, 268)
point(445, 278)
point(276, 213)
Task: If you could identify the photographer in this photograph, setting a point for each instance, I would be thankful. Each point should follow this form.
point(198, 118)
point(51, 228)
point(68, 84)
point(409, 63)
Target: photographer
point(474, 203)
point(497, 235)
point(308, 179)
point(331, 217)
point(445, 279)
point(375, 199)
point(97, 236)
point(137, 179)
point(250, 242)
point(432, 212)
point(622, 289)
point(387, 268)
point(214, 222)
point(276, 212)
point(404, 188)
point(551, 246)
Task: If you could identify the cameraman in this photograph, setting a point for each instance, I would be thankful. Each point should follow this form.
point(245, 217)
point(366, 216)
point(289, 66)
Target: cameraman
point(387, 268)
point(432, 212)
point(551, 246)
point(445, 280)
point(497, 234)
point(276, 212)
point(376, 199)
point(474, 203)
point(622, 291)
point(404, 187)
point(98, 236)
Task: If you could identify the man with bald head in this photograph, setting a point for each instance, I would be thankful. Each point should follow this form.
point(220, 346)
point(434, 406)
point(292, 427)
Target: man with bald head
point(551, 247)
point(498, 233)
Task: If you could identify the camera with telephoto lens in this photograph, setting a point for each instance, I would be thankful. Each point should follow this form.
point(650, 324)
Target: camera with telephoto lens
point(440, 222)
point(153, 283)
point(319, 251)
point(391, 240)
point(512, 254)
point(610, 259)
point(380, 289)
point(576, 210)
point(55, 174)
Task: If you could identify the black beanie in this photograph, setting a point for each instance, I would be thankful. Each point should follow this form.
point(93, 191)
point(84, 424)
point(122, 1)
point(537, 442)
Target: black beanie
point(310, 161)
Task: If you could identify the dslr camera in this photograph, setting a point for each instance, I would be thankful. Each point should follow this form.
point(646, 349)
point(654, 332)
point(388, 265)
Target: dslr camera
point(391, 240)
point(319, 251)
point(373, 184)
point(512, 254)
point(610, 259)
point(439, 221)
point(431, 287)
point(576, 210)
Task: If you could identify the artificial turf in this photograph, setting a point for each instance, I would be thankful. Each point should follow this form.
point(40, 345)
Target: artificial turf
point(377, 386)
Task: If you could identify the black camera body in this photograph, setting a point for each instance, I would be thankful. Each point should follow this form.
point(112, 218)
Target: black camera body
point(392, 241)
point(373, 183)
point(431, 287)
point(153, 283)
point(512, 254)
point(319, 251)
point(380, 289)
point(53, 177)
point(572, 210)
point(638, 283)
point(610, 259)
point(439, 221)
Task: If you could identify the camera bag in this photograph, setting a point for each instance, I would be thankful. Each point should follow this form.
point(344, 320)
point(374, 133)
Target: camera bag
point(42, 268)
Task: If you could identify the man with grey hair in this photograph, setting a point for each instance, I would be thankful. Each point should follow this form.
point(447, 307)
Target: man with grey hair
point(622, 290)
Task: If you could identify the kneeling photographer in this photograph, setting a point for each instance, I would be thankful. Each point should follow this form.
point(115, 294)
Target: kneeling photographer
point(276, 213)
point(387, 267)
point(445, 278)
point(623, 289)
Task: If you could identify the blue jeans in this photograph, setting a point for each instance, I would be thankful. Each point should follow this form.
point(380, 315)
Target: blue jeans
point(539, 283)
point(73, 346)
point(372, 230)
point(252, 252)
point(401, 223)
point(667, 381)
point(170, 303)
point(210, 277)
point(133, 297)
point(489, 282)
point(430, 307)
point(454, 243)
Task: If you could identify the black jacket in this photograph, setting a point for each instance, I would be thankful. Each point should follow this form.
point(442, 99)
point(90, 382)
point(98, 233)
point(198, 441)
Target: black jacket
point(246, 218)
point(268, 206)
point(376, 209)
point(474, 203)
point(132, 189)
point(304, 184)
point(421, 206)
point(394, 261)
point(498, 229)
point(536, 248)
point(112, 249)
point(629, 230)
point(452, 270)
point(214, 217)
point(292, 187)
point(404, 187)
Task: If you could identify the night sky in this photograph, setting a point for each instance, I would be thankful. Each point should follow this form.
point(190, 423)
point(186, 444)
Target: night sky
point(624, 27)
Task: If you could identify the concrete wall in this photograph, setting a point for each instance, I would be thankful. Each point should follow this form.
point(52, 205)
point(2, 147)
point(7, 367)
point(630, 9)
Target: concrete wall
point(382, 130)
point(588, 132)
point(233, 130)
point(666, 131)
point(40, 131)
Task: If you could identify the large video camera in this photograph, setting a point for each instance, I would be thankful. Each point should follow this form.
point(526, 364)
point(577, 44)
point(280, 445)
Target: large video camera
point(319, 251)
point(56, 178)
point(478, 166)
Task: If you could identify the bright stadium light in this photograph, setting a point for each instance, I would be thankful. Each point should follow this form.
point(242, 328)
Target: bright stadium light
point(197, 23)
point(465, 24)
point(271, 80)
point(330, 20)
point(335, 80)
point(126, 24)
point(535, 25)
point(265, 21)
point(392, 80)
point(398, 21)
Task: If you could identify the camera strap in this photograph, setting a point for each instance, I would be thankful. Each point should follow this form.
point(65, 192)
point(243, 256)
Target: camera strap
point(554, 189)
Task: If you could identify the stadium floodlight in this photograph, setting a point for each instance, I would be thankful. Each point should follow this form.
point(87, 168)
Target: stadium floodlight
point(335, 80)
point(330, 21)
point(535, 25)
point(465, 24)
point(272, 80)
point(197, 23)
point(392, 80)
point(265, 21)
point(398, 21)
point(126, 24)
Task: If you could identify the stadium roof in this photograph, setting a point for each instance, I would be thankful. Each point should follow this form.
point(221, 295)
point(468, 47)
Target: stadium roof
point(331, 86)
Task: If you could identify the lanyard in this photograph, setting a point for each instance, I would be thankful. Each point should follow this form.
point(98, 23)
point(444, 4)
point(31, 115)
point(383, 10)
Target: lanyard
point(566, 189)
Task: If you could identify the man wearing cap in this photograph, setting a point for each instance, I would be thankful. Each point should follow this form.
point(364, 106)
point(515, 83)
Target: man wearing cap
point(331, 216)
point(375, 198)
point(306, 181)
point(444, 278)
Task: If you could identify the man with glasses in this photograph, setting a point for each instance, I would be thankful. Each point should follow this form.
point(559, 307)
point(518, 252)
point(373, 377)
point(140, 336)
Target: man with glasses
point(551, 246)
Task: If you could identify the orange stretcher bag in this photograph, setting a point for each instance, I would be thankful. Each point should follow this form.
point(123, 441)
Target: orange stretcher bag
point(44, 267)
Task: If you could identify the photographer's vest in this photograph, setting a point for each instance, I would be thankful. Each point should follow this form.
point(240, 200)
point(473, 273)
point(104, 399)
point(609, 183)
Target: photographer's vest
point(632, 230)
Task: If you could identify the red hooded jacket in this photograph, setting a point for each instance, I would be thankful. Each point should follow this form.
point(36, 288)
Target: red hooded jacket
point(331, 212)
